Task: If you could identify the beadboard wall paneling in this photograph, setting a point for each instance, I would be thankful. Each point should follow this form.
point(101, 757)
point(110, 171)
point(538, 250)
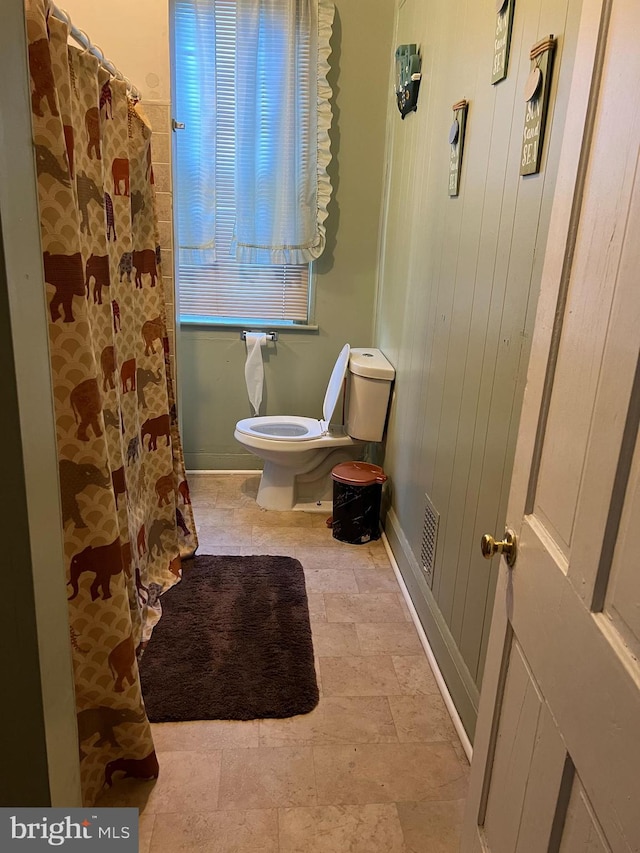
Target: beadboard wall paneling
point(459, 279)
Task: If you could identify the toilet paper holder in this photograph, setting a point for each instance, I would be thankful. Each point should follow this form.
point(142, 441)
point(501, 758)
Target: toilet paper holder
point(271, 336)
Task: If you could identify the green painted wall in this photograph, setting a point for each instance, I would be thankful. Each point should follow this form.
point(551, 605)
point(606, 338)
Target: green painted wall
point(458, 289)
point(297, 368)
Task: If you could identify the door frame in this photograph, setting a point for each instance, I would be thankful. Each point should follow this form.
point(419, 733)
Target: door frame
point(32, 490)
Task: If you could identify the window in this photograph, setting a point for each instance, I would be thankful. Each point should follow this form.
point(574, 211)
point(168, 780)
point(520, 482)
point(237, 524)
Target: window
point(213, 286)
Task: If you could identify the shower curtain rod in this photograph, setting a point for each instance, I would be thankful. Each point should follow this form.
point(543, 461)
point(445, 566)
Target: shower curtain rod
point(84, 41)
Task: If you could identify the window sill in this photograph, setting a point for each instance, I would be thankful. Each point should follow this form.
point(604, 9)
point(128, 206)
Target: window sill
point(265, 325)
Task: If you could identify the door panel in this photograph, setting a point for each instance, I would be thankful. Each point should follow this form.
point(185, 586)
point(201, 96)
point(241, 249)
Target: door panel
point(590, 328)
point(519, 721)
point(527, 766)
point(581, 831)
point(582, 675)
point(558, 742)
point(621, 602)
point(614, 425)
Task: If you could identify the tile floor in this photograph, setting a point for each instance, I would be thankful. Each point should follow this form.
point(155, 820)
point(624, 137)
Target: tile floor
point(375, 768)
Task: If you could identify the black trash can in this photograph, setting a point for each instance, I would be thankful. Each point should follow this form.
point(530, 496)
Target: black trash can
point(357, 490)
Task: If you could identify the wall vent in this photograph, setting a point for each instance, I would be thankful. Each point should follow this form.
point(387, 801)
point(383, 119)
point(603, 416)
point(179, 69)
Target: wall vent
point(429, 540)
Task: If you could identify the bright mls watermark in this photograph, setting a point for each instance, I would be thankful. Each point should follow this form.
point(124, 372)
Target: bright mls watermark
point(69, 829)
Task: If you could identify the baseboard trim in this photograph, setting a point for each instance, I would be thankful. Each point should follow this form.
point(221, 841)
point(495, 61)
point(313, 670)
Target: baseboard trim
point(219, 471)
point(442, 686)
point(202, 460)
point(453, 668)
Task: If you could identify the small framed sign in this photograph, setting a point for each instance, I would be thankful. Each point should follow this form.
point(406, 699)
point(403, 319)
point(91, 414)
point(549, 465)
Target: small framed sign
point(536, 95)
point(502, 41)
point(456, 144)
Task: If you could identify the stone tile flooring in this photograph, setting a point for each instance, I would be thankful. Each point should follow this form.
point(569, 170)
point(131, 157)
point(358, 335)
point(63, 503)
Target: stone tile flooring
point(376, 768)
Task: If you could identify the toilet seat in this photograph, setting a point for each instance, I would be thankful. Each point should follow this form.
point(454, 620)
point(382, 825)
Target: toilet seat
point(293, 428)
point(284, 447)
point(281, 428)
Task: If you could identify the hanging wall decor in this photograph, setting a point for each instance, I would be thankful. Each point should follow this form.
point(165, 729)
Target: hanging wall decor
point(408, 76)
point(502, 41)
point(456, 143)
point(536, 94)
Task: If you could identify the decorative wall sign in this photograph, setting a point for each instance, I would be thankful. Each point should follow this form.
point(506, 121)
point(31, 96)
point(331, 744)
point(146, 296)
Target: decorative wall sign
point(536, 93)
point(456, 141)
point(408, 76)
point(502, 42)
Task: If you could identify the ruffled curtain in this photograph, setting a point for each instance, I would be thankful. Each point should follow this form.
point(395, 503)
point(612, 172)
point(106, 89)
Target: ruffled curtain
point(283, 115)
point(125, 501)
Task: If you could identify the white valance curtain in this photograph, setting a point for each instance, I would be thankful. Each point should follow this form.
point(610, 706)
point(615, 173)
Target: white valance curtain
point(283, 115)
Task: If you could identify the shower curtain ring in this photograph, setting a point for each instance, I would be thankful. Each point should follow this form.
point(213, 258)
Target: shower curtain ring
point(87, 41)
point(63, 15)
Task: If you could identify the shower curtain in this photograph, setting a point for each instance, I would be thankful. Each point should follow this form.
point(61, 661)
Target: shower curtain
point(125, 500)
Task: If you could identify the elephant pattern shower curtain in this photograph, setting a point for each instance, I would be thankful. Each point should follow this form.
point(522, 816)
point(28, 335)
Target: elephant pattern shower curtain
point(125, 500)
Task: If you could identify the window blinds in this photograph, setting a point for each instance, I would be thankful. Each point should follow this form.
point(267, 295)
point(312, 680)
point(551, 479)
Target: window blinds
point(214, 286)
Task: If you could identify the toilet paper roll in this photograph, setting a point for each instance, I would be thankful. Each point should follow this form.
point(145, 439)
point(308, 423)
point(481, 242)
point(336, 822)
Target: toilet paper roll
point(254, 369)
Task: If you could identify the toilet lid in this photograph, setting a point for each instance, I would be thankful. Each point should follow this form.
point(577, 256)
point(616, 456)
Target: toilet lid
point(335, 384)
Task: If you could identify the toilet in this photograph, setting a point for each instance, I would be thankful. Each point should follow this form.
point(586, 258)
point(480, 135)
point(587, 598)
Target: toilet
point(299, 453)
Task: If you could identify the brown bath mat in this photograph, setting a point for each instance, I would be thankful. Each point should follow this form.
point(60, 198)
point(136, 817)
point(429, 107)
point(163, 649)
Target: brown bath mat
point(234, 643)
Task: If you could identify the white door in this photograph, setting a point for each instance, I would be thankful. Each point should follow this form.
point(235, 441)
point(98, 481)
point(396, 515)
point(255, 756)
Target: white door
point(556, 763)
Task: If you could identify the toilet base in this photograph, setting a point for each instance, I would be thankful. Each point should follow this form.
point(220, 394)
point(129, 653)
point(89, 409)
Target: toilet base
point(283, 488)
point(277, 488)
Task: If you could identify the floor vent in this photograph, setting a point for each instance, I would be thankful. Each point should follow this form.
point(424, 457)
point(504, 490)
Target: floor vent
point(429, 540)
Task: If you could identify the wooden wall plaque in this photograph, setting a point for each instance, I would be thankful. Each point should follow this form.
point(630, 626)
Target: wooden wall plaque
point(456, 143)
point(502, 41)
point(536, 95)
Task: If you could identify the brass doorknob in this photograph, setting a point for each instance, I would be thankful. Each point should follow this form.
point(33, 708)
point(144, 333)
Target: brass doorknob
point(507, 546)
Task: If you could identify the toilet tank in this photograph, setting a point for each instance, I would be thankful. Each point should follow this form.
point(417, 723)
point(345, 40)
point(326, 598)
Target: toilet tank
point(370, 379)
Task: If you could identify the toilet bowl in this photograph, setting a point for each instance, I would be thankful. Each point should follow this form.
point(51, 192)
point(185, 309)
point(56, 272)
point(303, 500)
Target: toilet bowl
point(300, 452)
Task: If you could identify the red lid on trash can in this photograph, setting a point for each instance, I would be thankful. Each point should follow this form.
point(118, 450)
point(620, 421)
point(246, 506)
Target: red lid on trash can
point(358, 474)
